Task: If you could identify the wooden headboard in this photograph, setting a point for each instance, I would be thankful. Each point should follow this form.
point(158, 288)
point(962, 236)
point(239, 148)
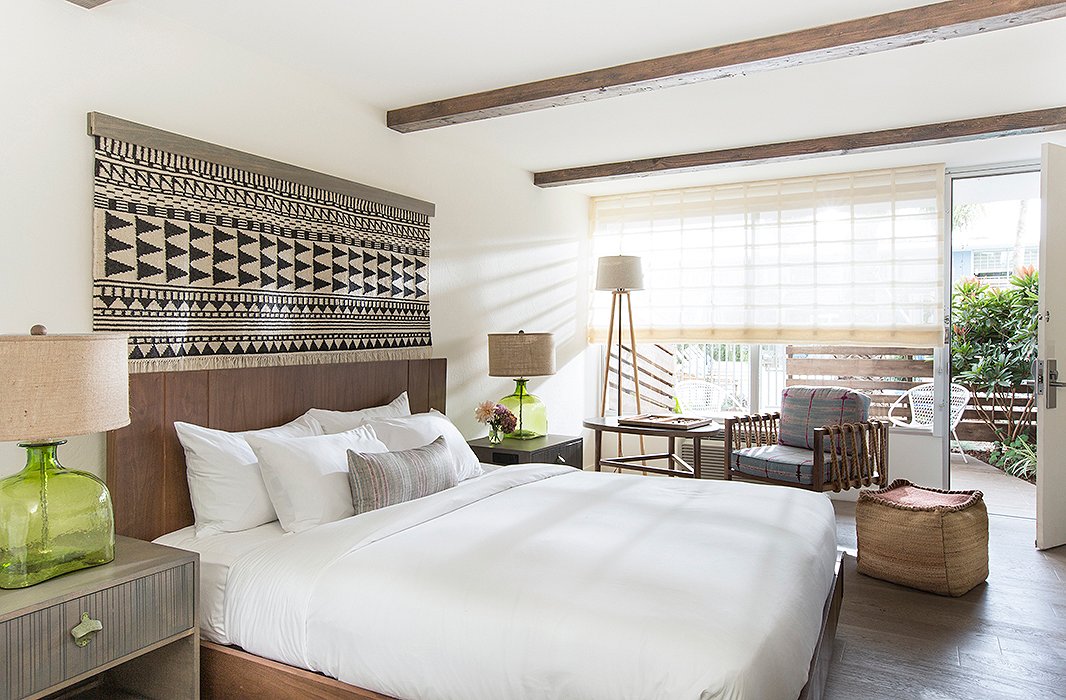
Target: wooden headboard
point(145, 461)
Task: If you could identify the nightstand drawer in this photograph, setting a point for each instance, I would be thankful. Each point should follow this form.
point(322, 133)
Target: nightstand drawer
point(37, 650)
point(568, 454)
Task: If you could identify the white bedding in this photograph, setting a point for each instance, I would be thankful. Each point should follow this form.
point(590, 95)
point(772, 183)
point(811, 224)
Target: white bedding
point(546, 582)
point(218, 552)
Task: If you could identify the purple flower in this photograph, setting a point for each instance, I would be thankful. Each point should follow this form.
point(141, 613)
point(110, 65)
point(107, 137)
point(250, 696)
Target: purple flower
point(506, 420)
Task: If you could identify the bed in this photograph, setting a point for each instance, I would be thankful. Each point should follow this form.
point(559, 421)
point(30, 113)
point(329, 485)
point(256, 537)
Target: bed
point(535, 581)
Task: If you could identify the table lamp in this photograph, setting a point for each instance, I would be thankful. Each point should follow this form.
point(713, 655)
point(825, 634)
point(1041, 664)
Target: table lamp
point(519, 356)
point(55, 520)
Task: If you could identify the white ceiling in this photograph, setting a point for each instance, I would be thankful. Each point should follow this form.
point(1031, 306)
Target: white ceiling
point(395, 54)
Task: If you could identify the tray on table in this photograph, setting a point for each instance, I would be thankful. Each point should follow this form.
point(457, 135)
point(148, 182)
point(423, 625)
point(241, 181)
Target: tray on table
point(668, 420)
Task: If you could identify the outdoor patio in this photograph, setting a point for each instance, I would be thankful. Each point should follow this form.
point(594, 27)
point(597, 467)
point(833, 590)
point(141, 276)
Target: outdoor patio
point(1004, 494)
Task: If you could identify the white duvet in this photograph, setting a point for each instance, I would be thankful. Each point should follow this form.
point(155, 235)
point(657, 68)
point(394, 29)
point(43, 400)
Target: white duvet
point(545, 582)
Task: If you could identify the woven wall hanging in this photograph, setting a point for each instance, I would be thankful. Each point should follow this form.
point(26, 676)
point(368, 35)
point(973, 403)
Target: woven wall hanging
point(208, 265)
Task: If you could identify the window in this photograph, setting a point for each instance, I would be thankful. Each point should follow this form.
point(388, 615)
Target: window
point(853, 258)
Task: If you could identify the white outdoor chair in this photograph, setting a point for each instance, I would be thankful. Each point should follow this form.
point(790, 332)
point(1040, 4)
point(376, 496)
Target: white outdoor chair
point(699, 397)
point(920, 398)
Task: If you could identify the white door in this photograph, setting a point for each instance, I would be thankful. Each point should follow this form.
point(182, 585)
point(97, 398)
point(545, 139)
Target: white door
point(1051, 422)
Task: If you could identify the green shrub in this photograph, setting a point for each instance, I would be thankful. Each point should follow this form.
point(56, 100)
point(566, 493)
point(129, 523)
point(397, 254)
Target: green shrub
point(1017, 458)
point(993, 344)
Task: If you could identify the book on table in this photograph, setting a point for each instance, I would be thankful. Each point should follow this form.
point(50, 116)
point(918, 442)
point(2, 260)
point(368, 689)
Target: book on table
point(668, 421)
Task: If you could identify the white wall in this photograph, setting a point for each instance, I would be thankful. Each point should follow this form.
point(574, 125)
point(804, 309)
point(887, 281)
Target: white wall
point(505, 254)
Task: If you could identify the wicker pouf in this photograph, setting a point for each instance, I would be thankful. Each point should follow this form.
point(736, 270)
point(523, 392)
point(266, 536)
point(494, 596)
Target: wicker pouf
point(924, 538)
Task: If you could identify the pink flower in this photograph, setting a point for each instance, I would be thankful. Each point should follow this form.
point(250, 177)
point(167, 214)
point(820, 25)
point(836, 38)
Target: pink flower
point(484, 411)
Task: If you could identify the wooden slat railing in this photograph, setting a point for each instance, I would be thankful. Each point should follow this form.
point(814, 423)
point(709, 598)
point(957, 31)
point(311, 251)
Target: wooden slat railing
point(656, 364)
point(884, 374)
point(972, 427)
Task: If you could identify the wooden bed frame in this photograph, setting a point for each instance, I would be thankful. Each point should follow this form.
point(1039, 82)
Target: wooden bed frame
point(146, 477)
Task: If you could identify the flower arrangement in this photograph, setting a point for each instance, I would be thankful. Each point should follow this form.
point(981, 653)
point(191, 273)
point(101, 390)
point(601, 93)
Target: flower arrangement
point(498, 417)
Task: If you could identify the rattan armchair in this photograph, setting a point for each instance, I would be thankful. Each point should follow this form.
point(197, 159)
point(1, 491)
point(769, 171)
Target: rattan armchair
point(836, 456)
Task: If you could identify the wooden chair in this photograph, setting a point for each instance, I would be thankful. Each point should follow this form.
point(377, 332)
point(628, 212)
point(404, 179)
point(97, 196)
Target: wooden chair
point(821, 440)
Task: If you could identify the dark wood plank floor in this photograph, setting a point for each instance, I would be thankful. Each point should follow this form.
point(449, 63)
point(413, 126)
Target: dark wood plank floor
point(1004, 639)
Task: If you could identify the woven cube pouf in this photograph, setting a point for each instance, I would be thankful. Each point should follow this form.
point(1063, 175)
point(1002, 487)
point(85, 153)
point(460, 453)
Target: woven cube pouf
point(924, 538)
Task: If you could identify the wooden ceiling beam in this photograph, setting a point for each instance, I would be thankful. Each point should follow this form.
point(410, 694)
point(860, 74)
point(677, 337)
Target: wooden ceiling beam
point(916, 25)
point(1037, 121)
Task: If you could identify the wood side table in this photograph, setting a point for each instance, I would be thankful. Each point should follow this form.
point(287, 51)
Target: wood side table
point(675, 466)
point(549, 449)
point(144, 608)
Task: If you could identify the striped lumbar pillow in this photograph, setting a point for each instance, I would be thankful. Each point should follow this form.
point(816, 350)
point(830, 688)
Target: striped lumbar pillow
point(387, 478)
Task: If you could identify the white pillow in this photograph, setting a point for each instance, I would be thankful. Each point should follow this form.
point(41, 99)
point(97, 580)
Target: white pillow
point(307, 477)
point(340, 421)
point(420, 430)
point(225, 486)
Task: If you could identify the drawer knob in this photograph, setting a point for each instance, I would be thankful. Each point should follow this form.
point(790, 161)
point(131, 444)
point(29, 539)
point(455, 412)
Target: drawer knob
point(84, 632)
point(560, 460)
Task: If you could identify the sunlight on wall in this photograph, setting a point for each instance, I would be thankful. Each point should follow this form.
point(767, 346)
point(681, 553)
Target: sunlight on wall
point(503, 252)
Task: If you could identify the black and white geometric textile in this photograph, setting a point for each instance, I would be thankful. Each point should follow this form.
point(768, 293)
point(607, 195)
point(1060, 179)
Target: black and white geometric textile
point(209, 266)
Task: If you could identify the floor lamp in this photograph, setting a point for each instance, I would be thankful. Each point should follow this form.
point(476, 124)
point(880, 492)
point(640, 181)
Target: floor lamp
point(620, 275)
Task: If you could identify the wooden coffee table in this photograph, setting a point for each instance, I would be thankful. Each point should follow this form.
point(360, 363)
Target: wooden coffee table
point(675, 465)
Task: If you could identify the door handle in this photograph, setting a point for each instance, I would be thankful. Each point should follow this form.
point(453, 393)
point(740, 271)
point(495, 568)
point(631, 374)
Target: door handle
point(1050, 382)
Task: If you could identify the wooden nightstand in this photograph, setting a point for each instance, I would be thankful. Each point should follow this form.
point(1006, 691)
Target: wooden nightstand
point(149, 643)
point(550, 449)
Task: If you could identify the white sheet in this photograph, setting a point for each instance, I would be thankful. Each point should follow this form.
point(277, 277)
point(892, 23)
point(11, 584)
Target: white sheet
point(218, 552)
point(545, 582)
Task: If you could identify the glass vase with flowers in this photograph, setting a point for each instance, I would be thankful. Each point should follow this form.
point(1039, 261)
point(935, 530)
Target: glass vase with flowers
point(498, 418)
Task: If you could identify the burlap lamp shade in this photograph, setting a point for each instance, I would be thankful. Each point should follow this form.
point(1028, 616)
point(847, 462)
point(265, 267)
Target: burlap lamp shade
point(55, 386)
point(615, 272)
point(521, 354)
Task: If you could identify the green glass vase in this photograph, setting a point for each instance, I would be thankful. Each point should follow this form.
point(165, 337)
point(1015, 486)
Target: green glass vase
point(530, 411)
point(53, 520)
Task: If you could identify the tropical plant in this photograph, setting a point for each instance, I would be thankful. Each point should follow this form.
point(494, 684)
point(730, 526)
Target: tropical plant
point(993, 346)
point(1017, 457)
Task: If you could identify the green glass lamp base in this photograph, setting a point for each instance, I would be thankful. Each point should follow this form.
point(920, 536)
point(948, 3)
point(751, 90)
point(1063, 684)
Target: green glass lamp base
point(530, 411)
point(55, 520)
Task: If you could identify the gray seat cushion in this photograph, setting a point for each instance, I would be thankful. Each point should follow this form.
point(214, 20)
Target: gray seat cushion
point(778, 462)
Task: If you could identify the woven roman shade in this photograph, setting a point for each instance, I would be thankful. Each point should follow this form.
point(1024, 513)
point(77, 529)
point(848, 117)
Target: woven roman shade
point(55, 386)
point(852, 258)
